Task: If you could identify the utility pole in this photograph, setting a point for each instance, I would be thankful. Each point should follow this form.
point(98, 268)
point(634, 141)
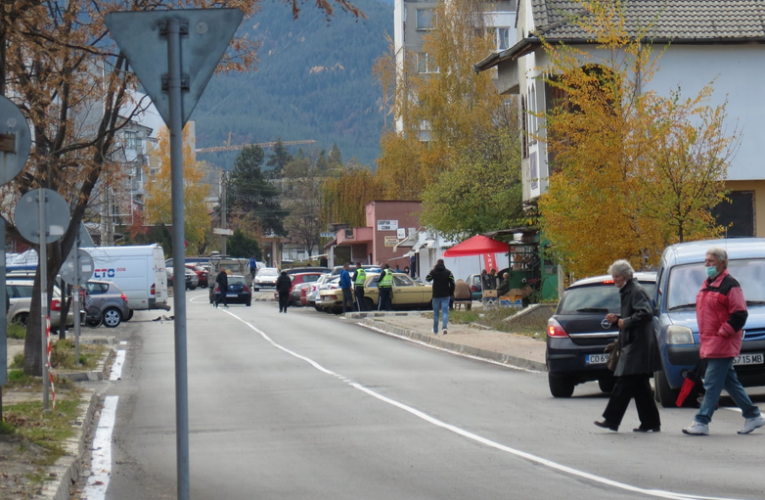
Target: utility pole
point(224, 204)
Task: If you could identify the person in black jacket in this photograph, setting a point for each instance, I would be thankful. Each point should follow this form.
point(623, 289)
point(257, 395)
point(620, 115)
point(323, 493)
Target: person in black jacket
point(283, 285)
point(639, 357)
point(443, 289)
point(222, 281)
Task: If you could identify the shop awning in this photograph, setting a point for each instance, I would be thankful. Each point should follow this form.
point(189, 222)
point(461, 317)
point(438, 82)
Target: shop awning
point(477, 245)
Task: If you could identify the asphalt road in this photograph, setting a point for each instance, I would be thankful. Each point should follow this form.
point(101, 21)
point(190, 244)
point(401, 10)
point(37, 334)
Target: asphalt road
point(308, 406)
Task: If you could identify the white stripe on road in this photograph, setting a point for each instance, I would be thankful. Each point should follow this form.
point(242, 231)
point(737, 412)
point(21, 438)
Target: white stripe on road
point(101, 463)
point(487, 442)
point(119, 361)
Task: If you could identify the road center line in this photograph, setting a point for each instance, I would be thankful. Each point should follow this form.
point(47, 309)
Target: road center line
point(119, 361)
point(479, 439)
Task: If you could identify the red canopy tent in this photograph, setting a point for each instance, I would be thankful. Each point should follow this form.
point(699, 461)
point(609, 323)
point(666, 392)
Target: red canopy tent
point(477, 245)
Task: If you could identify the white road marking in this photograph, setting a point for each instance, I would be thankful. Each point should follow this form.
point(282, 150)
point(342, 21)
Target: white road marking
point(119, 361)
point(479, 439)
point(101, 463)
point(123, 342)
point(443, 349)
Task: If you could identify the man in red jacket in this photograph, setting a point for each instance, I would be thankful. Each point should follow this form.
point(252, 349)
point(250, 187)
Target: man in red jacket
point(721, 315)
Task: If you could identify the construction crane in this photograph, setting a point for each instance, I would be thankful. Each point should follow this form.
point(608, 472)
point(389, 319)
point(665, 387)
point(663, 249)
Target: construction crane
point(236, 147)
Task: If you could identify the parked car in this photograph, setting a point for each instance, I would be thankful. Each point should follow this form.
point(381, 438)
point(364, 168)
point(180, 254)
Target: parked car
point(20, 297)
point(407, 294)
point(266, 278)
point(680, 275)
point(110, 300)
point(312, 296)
point(202, 274)
point(192, 281)
point(307, 269)
point(299, 294)
point(368, 268)
point(327, 297)
point(476, 288)
point(298, 279)
point(578, 333)
point(238, 292)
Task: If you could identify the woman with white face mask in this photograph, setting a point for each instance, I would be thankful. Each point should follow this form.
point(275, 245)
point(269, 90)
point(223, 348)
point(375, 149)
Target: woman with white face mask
point(639, 354)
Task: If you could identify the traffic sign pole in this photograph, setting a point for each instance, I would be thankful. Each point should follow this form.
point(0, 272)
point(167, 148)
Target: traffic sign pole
point(43, 266)
point(76, 300)
point(179, 252)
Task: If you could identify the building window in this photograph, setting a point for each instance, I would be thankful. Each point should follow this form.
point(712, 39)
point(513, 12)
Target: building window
point(426, 64)
point(736, 215)
point(132, 141)
point(532, 111)
point(503, 38)
point(424, 19)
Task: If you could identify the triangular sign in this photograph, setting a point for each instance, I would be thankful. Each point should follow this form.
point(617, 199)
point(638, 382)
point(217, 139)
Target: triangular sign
point(140, 35)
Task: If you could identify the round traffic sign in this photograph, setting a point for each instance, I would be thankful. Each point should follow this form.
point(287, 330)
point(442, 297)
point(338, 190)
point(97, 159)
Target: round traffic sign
point(27, 216)
point(67, 271)
point(15, 140)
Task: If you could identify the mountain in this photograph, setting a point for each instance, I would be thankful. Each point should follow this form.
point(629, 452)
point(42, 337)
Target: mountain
point(313, 81)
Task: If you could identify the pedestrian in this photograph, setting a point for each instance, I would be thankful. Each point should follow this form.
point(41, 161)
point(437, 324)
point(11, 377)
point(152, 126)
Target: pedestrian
point(639, 357)
point(222, 280)
point(283, 286)
point(397, 269)
point(485, 280)
point(359, 278)
point(345, 286)
point(443, 289)
point(323, 261)
point(385, 287)
point(721, 314)
point(504, 285)
point(493, 279)
point(253, 266)
point(406, 270)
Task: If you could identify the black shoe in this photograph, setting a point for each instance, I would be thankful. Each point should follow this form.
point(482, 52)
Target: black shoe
point(607, 425)
point(646, 429)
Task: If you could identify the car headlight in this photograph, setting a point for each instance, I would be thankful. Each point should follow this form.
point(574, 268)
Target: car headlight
point(679, 335)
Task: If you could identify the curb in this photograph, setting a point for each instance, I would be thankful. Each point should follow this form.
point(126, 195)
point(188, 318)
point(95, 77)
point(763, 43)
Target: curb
point(498, 357)
point(380, 314)
point(67, 469)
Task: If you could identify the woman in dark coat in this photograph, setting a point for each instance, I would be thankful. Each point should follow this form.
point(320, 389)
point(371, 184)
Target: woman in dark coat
point(283, 285)
point(639, 354)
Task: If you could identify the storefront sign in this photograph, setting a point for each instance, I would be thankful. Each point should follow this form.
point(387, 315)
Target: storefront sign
point(387, 225)
point(390, 241)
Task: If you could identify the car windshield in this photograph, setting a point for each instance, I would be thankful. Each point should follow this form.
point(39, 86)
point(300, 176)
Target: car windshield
point(685, 282)
point(268, 272)
point(597, 298)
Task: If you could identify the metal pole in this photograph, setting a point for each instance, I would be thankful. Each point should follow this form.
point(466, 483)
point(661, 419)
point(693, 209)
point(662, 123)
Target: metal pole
point(43, 296)
point(76, 300)
point(223, 215)
point(3, 317)
point(179, 250)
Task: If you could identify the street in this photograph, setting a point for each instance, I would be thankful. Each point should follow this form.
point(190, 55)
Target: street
point(307, 405)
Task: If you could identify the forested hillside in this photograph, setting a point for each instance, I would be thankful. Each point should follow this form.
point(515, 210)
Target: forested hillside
point(314, 81)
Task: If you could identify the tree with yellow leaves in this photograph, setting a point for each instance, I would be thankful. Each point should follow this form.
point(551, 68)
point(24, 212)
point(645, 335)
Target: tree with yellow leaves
point(159, 210)
point(631, 171)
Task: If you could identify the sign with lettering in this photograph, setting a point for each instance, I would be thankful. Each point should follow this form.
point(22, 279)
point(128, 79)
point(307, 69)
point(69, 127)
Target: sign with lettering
point(387, 225)
point(390, 241)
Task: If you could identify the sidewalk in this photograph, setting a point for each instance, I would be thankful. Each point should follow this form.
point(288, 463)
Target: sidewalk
point(507, 348)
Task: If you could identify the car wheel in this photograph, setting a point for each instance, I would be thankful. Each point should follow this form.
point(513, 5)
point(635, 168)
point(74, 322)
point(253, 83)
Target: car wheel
point(193, 287)
point(606, 383)
point(317, 308)
point(369, 303)
point(112, 318)
point(249, 303)
point(560, 387)
point(256, 289)
point(664, 393)
point(129, 316)
point(21, 319)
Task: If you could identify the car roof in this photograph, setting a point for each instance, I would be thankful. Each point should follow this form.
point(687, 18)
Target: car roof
point(311, 273)
point(606, 278)
point(695, 251)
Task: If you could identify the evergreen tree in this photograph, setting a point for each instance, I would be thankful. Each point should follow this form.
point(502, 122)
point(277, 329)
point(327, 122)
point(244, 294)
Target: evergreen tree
point(335, 157)
point(251, 195)
point(278, 159)
point(240, 245)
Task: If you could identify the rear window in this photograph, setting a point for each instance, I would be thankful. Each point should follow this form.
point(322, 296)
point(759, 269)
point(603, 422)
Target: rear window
point(235, 281)
point(596, 298)
point(97, 288)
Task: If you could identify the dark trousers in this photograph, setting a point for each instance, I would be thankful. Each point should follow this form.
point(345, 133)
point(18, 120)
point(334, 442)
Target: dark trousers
point(347, 299)
point(626, 388)
point(384, 304)
point(284, 301)
point(221, 297)
point(359, 293)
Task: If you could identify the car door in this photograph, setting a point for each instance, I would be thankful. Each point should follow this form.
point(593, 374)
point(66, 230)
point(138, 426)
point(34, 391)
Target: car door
point(405, 292)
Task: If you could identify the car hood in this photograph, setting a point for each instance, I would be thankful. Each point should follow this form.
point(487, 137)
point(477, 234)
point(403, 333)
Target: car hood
point(687, 318)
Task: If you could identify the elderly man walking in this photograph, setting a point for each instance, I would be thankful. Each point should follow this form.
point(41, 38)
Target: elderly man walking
point(639, 354)
point(721, 314)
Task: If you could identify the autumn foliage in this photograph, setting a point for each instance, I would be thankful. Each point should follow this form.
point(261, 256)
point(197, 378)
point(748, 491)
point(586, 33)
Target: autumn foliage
point(631, 171)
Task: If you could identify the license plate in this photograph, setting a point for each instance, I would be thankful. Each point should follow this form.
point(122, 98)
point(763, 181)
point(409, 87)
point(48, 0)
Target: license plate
point(597, 359)
point(750, 359)
point(232, 295)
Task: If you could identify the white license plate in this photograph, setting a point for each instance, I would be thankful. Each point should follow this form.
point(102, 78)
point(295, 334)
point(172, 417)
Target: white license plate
point(232, 295)
point(750, 359)
point(597, 359)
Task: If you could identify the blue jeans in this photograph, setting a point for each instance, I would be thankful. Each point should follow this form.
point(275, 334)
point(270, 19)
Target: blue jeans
point(721, 375)
point(440, 304)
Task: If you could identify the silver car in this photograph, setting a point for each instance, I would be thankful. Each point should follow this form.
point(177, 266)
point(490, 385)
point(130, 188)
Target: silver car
point(110, 301)
point(20, 297)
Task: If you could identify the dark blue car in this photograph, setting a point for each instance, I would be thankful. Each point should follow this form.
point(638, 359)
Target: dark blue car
point(679, 279)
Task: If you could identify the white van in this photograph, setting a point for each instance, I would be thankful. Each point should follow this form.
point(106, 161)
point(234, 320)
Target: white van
point(138, 270)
